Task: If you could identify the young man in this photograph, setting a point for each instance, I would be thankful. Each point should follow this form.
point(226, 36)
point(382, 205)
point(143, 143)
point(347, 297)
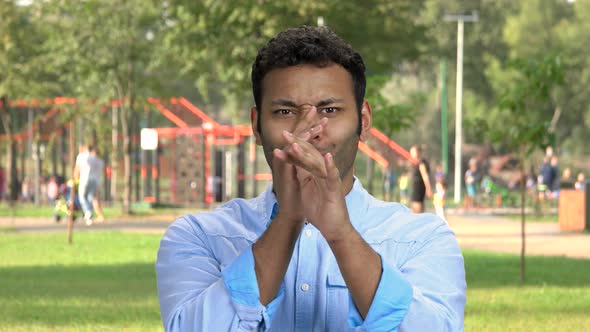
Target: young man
point(315, 251)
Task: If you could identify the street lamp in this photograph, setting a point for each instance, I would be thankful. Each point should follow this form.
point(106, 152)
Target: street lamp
point(460, 19)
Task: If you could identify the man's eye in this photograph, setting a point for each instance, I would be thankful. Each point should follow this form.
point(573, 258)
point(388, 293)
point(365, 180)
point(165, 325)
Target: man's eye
point(284, 112)
point(329, 110)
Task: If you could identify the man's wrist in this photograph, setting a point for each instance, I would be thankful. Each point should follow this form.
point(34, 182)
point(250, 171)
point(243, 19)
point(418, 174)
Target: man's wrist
point(288, 220)
point(342, 236)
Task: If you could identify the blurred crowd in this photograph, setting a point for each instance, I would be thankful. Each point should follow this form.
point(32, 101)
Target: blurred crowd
point(411, 184)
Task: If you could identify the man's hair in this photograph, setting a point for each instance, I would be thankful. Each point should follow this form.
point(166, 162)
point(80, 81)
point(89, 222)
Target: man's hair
point(318, 46)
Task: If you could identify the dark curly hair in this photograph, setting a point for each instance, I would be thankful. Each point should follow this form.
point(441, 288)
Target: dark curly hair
point(319, 46)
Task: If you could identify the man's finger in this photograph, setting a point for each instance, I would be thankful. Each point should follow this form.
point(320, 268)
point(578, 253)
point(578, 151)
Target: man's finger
point(306, 122)
point(310, 160)
point(333, 183)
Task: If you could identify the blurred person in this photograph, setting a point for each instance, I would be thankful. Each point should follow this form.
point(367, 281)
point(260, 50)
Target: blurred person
point(90, 167)
point(389, 181)
point(580, 182)
point(439, 175)
point(404, 185)
point(567, 174)
point(420, 180)
point(471, 180)
point(96, 172)
point(315, 251)
point(566, 181)
point(439, 198)
point(549, 151)
point(547, 177)
point(26, 193)
point(80, 177)
point(52, 190)
point(81, 160)
point(553, 185)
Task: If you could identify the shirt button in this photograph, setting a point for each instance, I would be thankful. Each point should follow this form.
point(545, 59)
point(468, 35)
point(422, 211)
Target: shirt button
point(305, 287)
point(308, 232)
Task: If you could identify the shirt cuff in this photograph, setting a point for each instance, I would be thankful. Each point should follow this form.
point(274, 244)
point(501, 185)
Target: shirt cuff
point(240, 281)
point(390, 303)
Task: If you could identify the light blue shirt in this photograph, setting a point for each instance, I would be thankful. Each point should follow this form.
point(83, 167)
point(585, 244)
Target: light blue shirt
point(207, 282)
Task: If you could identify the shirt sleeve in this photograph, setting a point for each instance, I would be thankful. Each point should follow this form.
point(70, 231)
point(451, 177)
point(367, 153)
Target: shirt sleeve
point(390, 303)
point(196, 295)
point(426, 293)
point(436, 272)
point(240, 281)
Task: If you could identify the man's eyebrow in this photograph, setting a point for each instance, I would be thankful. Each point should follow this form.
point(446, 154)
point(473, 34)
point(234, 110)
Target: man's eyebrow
point(329, 101)
point(284, 102)
point(289, 103)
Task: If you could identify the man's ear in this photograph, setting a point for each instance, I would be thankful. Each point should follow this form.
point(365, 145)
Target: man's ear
point(366, 121)
point(254, 114)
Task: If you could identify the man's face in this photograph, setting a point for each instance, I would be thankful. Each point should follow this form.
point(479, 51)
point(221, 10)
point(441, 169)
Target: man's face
point(287, 96)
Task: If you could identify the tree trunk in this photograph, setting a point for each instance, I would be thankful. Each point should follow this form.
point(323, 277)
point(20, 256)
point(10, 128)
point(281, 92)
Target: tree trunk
point(10, 167)
point(11, 175)
point(73, 193)
point(114, 151)
point(126, 159)
point(522, 213)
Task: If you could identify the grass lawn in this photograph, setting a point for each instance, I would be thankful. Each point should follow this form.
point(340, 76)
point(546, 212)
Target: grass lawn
point(105, 281)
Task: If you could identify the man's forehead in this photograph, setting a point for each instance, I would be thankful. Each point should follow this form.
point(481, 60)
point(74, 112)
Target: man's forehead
point(307, 84)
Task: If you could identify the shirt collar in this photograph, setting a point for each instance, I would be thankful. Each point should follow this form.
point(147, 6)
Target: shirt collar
point(357, 203)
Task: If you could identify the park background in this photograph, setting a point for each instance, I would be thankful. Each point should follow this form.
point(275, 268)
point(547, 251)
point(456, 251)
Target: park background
point(75, 72)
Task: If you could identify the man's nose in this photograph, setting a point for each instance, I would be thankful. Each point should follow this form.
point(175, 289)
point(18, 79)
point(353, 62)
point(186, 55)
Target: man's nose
point(309, 119)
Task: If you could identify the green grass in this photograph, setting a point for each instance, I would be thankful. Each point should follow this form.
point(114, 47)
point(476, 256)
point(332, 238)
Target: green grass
point(25, 210)
point(555, 296)
point(105, 281)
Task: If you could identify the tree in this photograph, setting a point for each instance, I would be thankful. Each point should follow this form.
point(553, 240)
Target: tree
point(104, 52)
point(19, 40)
point(517, 125)
point(390, 117)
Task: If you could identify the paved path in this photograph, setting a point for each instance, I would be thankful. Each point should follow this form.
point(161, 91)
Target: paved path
point(36, 225)
point(498, 234)
point(482, 232)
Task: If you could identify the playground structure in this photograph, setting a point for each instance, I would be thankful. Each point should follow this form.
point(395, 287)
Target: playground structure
point(197, 160)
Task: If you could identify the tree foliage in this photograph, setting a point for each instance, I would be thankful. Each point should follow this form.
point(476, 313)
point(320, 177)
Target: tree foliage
point(388, 116)
point(215, 42)
point(97, 51)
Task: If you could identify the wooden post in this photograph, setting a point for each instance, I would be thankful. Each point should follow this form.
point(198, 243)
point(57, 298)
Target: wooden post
point(522, 213)
point(71, 209)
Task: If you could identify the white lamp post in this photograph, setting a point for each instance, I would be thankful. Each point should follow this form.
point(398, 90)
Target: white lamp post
point(459, 97)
